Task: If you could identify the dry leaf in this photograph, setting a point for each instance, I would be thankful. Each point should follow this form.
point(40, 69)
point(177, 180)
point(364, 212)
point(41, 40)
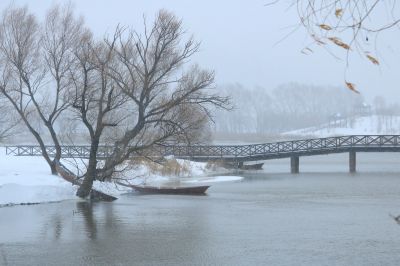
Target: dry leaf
point(339, 12)
point(325, 27)
point(373, 59)
point(352, 87)
point(338, 42)
point(317, 40)
point(306, 50)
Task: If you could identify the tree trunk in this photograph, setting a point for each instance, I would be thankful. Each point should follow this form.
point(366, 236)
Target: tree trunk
point(51, 163)
point(55, 141)
point(53, 167)
point(86, 186)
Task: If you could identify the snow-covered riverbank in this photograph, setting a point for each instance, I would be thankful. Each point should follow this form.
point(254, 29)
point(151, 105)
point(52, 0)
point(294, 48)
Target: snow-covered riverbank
point(366, 125)
point(27, 180)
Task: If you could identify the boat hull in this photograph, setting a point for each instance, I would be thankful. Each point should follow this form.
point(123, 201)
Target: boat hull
point(196, 190)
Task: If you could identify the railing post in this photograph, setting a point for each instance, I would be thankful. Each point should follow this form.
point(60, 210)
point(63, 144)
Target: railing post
point(352, 161)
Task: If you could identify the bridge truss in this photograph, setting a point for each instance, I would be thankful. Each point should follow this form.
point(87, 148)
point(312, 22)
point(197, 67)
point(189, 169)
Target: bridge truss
point(239, 153)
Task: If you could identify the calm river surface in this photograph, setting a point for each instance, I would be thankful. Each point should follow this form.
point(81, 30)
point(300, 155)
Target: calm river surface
point(322, 216)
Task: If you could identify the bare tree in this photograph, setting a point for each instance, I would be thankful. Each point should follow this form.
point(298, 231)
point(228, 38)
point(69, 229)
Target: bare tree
point(9, 121)
point(131, 90)
point(165, 99)
point(35, 60)
point(95, 98)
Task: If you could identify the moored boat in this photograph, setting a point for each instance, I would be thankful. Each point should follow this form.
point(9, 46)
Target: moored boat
point(257, 166)
point(242, 166)
point(192, 190)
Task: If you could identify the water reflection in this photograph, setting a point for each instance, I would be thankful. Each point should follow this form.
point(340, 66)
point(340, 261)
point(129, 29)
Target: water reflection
point(57, 224)
point(64, 221)
point(85, 208)
point(269, 219)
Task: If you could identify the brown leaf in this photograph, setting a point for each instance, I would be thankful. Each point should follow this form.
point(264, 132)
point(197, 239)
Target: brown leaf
point(325, 27)
point(338, 12)
point(317, 40)
point(373, 59)
point(352, 86)
point(306, 50)
point(338, 42)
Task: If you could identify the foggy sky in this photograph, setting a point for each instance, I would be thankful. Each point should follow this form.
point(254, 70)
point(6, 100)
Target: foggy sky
point(240, 41)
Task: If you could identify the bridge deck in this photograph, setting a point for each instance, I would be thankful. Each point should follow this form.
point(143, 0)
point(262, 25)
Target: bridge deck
point(240, 153)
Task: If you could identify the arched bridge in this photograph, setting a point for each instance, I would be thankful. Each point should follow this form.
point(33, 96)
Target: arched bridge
point(242, 153)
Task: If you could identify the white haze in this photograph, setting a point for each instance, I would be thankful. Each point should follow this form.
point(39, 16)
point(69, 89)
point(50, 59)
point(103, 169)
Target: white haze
point(274, 87)
point(240, 40)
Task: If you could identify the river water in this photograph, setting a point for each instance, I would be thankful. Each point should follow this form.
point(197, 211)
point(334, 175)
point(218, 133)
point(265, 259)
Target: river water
point(322, 216)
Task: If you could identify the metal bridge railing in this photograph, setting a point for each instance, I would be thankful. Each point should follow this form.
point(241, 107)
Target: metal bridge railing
point(231, 151)
point(283, 147)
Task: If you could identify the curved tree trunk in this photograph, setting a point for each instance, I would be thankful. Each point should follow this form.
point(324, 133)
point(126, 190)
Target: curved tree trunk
point(53, 167)
point(86, 186)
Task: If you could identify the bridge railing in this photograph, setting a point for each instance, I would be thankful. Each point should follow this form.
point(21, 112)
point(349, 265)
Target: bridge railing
point(76, 151)
point(329, 143)
point(228, 151)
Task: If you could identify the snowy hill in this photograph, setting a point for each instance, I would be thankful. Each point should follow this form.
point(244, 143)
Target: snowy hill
point(368, 125)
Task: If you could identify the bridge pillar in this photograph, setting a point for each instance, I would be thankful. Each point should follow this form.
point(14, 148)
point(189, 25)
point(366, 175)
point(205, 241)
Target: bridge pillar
point(352, 162)
point(294, 164)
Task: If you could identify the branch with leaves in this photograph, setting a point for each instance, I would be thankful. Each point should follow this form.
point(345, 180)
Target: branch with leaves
point(351, 25)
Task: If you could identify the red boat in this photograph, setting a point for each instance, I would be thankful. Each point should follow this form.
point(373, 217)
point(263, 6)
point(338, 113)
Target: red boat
point(195, 190)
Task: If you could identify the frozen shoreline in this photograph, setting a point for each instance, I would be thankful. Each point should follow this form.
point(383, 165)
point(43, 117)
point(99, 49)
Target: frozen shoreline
point(26, 180)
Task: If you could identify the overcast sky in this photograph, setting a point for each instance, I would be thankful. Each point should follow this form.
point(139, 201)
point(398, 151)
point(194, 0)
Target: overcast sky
point(240, 41)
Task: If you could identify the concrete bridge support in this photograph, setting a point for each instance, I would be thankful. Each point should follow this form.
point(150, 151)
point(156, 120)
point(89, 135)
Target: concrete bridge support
point(294, 164)
point(352, 162)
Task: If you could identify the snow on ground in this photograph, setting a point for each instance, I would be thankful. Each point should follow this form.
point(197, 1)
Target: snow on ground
point(27, 179)
point(368, 125)
point(213, 179)
point(145, 174)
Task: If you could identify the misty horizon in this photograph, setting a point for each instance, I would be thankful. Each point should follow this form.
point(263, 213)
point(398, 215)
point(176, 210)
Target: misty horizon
point(250, 43)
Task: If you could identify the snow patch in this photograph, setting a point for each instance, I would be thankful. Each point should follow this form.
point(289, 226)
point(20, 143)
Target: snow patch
point(26, 179)
point(368, 125)
point(213, 179)
point(18, 194)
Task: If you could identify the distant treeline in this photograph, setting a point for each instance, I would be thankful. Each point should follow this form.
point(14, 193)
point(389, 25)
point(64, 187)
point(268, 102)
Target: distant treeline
point(293, 106)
